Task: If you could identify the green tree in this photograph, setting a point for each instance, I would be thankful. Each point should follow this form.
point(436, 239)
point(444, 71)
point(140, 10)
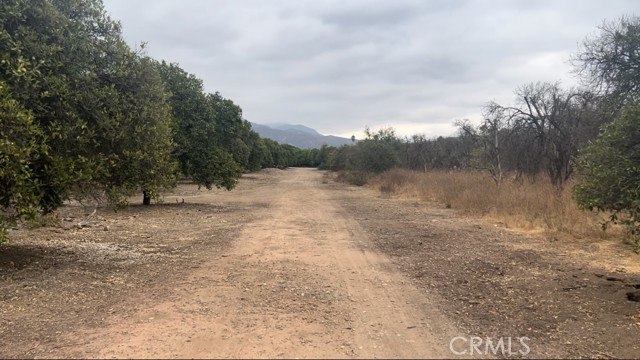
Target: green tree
point(197, 148)
point(373, 156)
point(232, 131)
point(377, 153)
point(326, 157)
point(20, 146)
point(258, 152)
point(52, 54)
point(609, 172)
point(97, 110)
point(136, 138)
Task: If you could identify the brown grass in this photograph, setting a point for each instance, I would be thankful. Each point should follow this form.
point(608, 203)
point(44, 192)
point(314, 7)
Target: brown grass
point(358, 178)
point(529, 206)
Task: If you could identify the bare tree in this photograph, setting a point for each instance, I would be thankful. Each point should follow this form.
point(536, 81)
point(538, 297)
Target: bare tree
point(421, 151)
point(555, 116)
point(609, 62)
point(492, 133)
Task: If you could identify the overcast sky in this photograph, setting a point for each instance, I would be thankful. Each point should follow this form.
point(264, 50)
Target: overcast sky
point(338, 66)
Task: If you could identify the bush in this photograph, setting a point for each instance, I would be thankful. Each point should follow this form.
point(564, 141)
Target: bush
point(609, 173)
point(357, 178)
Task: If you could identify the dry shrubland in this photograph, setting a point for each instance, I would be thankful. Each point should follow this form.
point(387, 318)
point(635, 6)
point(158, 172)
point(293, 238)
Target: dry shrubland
point(526, 205)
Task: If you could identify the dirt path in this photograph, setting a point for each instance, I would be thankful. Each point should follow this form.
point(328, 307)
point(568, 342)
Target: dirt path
point(300, 281)
point(292, 264)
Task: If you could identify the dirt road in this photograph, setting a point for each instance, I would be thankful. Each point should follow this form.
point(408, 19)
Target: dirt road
point(300, 281)
point(291, 264)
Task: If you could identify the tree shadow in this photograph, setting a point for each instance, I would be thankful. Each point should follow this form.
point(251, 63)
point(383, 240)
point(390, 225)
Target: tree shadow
point(20, 256)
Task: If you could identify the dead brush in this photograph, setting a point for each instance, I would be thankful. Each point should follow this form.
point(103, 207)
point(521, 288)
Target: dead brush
point(357, 178)
point(533, 205)
point(387, 189)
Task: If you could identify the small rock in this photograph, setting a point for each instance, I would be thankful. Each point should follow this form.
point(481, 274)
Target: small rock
point(106, 228)
point(633, 296)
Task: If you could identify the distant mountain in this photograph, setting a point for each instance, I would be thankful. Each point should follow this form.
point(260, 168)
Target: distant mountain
point(289, 127)
point(298, 135)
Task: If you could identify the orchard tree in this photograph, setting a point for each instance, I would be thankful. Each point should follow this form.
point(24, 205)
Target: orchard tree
point(197, 147)
point(52, 53)
point(89, 115)
point(257, 151)
point(232, 131)
point(136, 139)
point(20, 146)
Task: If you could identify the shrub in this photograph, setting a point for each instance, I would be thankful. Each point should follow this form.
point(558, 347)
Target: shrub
point(609, 173)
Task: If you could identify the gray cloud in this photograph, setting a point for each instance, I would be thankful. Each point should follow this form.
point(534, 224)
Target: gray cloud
point(340, 65)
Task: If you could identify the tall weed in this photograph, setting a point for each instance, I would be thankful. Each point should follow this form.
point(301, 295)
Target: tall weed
point(528, 205)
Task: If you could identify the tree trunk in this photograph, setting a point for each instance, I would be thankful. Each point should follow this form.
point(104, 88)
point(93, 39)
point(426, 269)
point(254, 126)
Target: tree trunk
point(498, 162)
point(146, 198)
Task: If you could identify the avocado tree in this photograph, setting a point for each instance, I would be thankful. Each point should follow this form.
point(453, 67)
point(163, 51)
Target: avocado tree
point(199, 151)
point(136, 136)
point(232, 131)
point(257, 151)
point(20, 146)
point(82, 114)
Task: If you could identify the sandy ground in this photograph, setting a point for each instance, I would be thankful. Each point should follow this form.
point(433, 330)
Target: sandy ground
point(292, 264)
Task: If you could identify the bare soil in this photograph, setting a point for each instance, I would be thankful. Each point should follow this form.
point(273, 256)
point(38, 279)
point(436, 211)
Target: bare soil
point(292, 264)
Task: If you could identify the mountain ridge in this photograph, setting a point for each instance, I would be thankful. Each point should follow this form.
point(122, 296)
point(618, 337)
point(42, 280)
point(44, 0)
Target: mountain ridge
point(294, 127)
point(299, 136)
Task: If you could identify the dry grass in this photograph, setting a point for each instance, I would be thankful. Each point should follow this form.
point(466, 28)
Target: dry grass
point(358, 178)
point(530, 206)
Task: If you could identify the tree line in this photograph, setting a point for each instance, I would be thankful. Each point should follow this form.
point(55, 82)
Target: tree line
point(590, 133)
point(84, 116)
